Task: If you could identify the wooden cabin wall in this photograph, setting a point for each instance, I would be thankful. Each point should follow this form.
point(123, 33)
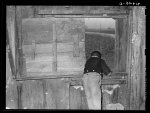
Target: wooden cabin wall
point(137, 84)
point(54, 94)
point(70, 41)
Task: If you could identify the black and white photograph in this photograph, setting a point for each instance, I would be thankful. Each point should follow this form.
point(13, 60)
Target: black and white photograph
point(75, 57)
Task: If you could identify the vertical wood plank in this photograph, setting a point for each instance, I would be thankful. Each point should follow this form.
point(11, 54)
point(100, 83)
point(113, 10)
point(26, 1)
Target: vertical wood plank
point(122, 26)
point(19, 89)
point(19, 50)
point(11, 88)
point(84, 100)
point(32, 94)
point(136, 72)
point(11, 29)
point(132, 100)
point(44, 94)
point(116, 46)
point(56, 97)
point(67, 93)
point(50, 94)
point(143, 66)
point(75, 98)
point(54, 68)
point(10, 58)
point(128, 65)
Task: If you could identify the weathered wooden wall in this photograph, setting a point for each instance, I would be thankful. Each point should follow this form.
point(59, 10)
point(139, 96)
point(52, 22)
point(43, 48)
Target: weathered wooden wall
point(137, 83)
point(54, 94)
point(69, 44)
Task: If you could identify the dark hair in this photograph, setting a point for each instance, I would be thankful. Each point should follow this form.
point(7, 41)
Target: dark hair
point(96, 53)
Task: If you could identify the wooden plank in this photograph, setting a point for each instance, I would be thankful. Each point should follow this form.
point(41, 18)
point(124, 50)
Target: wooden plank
point(11, 62)
point(44, 93)
point(11, 88)
point(32, 95)
point(66, 75)
point(116, 46)
point(111, 82)
point(84, 100)
point(124, 46)
point(82, 10)
point(67, 93)
point(129, 59)
point(121, 45)
point(128, 62)
point(10, 29)
point(19, 50)
point(143, 57)
point(89, 16)
point(19, 90)
point(54, 68)
point(123, 96)
point(56, 94)
point(136, 59)
point(51, 86)
point(133, 79)
point(75, 98)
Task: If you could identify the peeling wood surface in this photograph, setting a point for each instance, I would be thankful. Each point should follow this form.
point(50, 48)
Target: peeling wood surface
point(137, 72)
